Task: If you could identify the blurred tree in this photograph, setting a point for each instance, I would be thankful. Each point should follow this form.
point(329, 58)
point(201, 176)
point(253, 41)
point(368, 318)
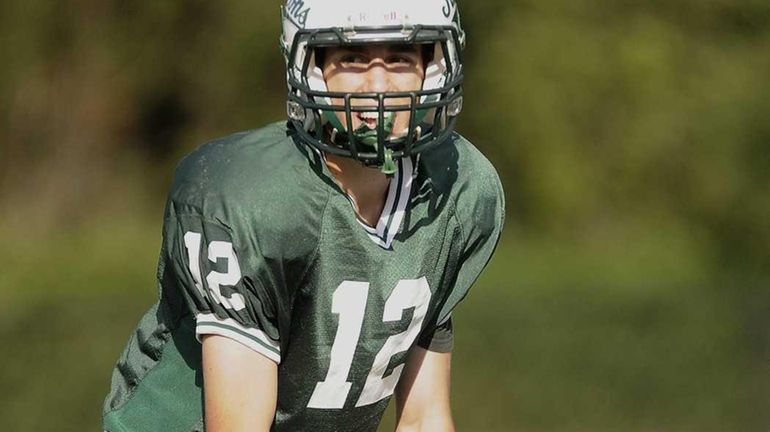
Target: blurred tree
point(605, 117)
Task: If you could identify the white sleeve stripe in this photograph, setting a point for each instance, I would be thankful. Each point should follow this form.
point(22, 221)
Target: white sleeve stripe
point(231, 323)
point(246, 340)
point(443, 321)
point(252, 333)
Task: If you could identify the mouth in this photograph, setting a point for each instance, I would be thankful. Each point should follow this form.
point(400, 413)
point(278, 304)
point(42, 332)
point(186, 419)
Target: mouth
point(369, 119)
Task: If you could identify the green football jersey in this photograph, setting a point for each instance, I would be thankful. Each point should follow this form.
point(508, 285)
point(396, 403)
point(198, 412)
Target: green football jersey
point(260, 245)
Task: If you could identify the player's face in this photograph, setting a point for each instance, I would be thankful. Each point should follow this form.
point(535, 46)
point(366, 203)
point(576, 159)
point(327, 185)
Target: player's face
point(374, 69)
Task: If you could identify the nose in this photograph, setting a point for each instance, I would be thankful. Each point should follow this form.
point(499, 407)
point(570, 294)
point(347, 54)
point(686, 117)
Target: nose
point(378, 78)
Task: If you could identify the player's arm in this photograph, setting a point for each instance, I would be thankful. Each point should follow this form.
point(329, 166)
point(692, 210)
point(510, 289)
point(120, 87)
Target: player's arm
point(422, 394)
point(240, 386)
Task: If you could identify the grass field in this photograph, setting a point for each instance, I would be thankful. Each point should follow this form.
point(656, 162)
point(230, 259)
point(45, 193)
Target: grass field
point(554, 337)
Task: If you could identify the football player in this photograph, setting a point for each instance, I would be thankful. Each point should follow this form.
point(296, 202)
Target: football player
point(309, 269)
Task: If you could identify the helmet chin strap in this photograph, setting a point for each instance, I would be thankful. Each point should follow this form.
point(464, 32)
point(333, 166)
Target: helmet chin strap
point(367, 137)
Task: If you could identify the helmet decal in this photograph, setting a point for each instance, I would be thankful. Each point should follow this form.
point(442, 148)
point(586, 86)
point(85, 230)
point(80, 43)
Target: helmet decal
point(297, 11)
point(449, 7)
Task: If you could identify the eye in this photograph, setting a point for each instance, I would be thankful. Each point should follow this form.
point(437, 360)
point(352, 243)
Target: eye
point(401, 60)
point(353, 59)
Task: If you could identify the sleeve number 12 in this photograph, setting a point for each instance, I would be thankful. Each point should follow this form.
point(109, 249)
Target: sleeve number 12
point(349, 302)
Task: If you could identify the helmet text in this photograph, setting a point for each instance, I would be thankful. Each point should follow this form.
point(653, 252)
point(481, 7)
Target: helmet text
point(297, 10)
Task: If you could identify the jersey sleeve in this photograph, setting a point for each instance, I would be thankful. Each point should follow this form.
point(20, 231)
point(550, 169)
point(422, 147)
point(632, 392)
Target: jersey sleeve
point(438, 339)
point(481, 222)
point(224, 280)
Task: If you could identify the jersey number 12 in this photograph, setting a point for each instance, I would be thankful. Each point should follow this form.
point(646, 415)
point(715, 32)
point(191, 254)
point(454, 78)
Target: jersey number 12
point(349, 302)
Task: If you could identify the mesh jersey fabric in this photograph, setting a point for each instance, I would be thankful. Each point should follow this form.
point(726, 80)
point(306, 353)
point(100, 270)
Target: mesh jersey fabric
point(257, 240)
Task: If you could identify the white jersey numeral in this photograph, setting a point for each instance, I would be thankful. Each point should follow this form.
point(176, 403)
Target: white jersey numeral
point(349, 302)
point(192, 241)
point(215, 280)
point(408, 294)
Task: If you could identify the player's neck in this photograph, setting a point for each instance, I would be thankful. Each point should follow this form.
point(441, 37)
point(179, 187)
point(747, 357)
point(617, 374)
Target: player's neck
point(366, 186)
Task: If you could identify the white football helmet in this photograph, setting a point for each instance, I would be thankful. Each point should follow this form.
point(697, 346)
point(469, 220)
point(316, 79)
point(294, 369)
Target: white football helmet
point(312, 24)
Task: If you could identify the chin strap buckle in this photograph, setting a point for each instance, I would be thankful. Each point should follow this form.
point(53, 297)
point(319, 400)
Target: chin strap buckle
point(389, 166)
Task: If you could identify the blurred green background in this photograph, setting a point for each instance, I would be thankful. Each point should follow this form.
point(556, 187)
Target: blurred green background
point(631, 291)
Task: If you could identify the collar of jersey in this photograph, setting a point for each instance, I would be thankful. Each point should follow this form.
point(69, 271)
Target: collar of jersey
point(393, 211)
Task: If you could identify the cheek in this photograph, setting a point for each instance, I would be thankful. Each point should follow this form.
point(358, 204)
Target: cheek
point(343, 82)
point(409, 81)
